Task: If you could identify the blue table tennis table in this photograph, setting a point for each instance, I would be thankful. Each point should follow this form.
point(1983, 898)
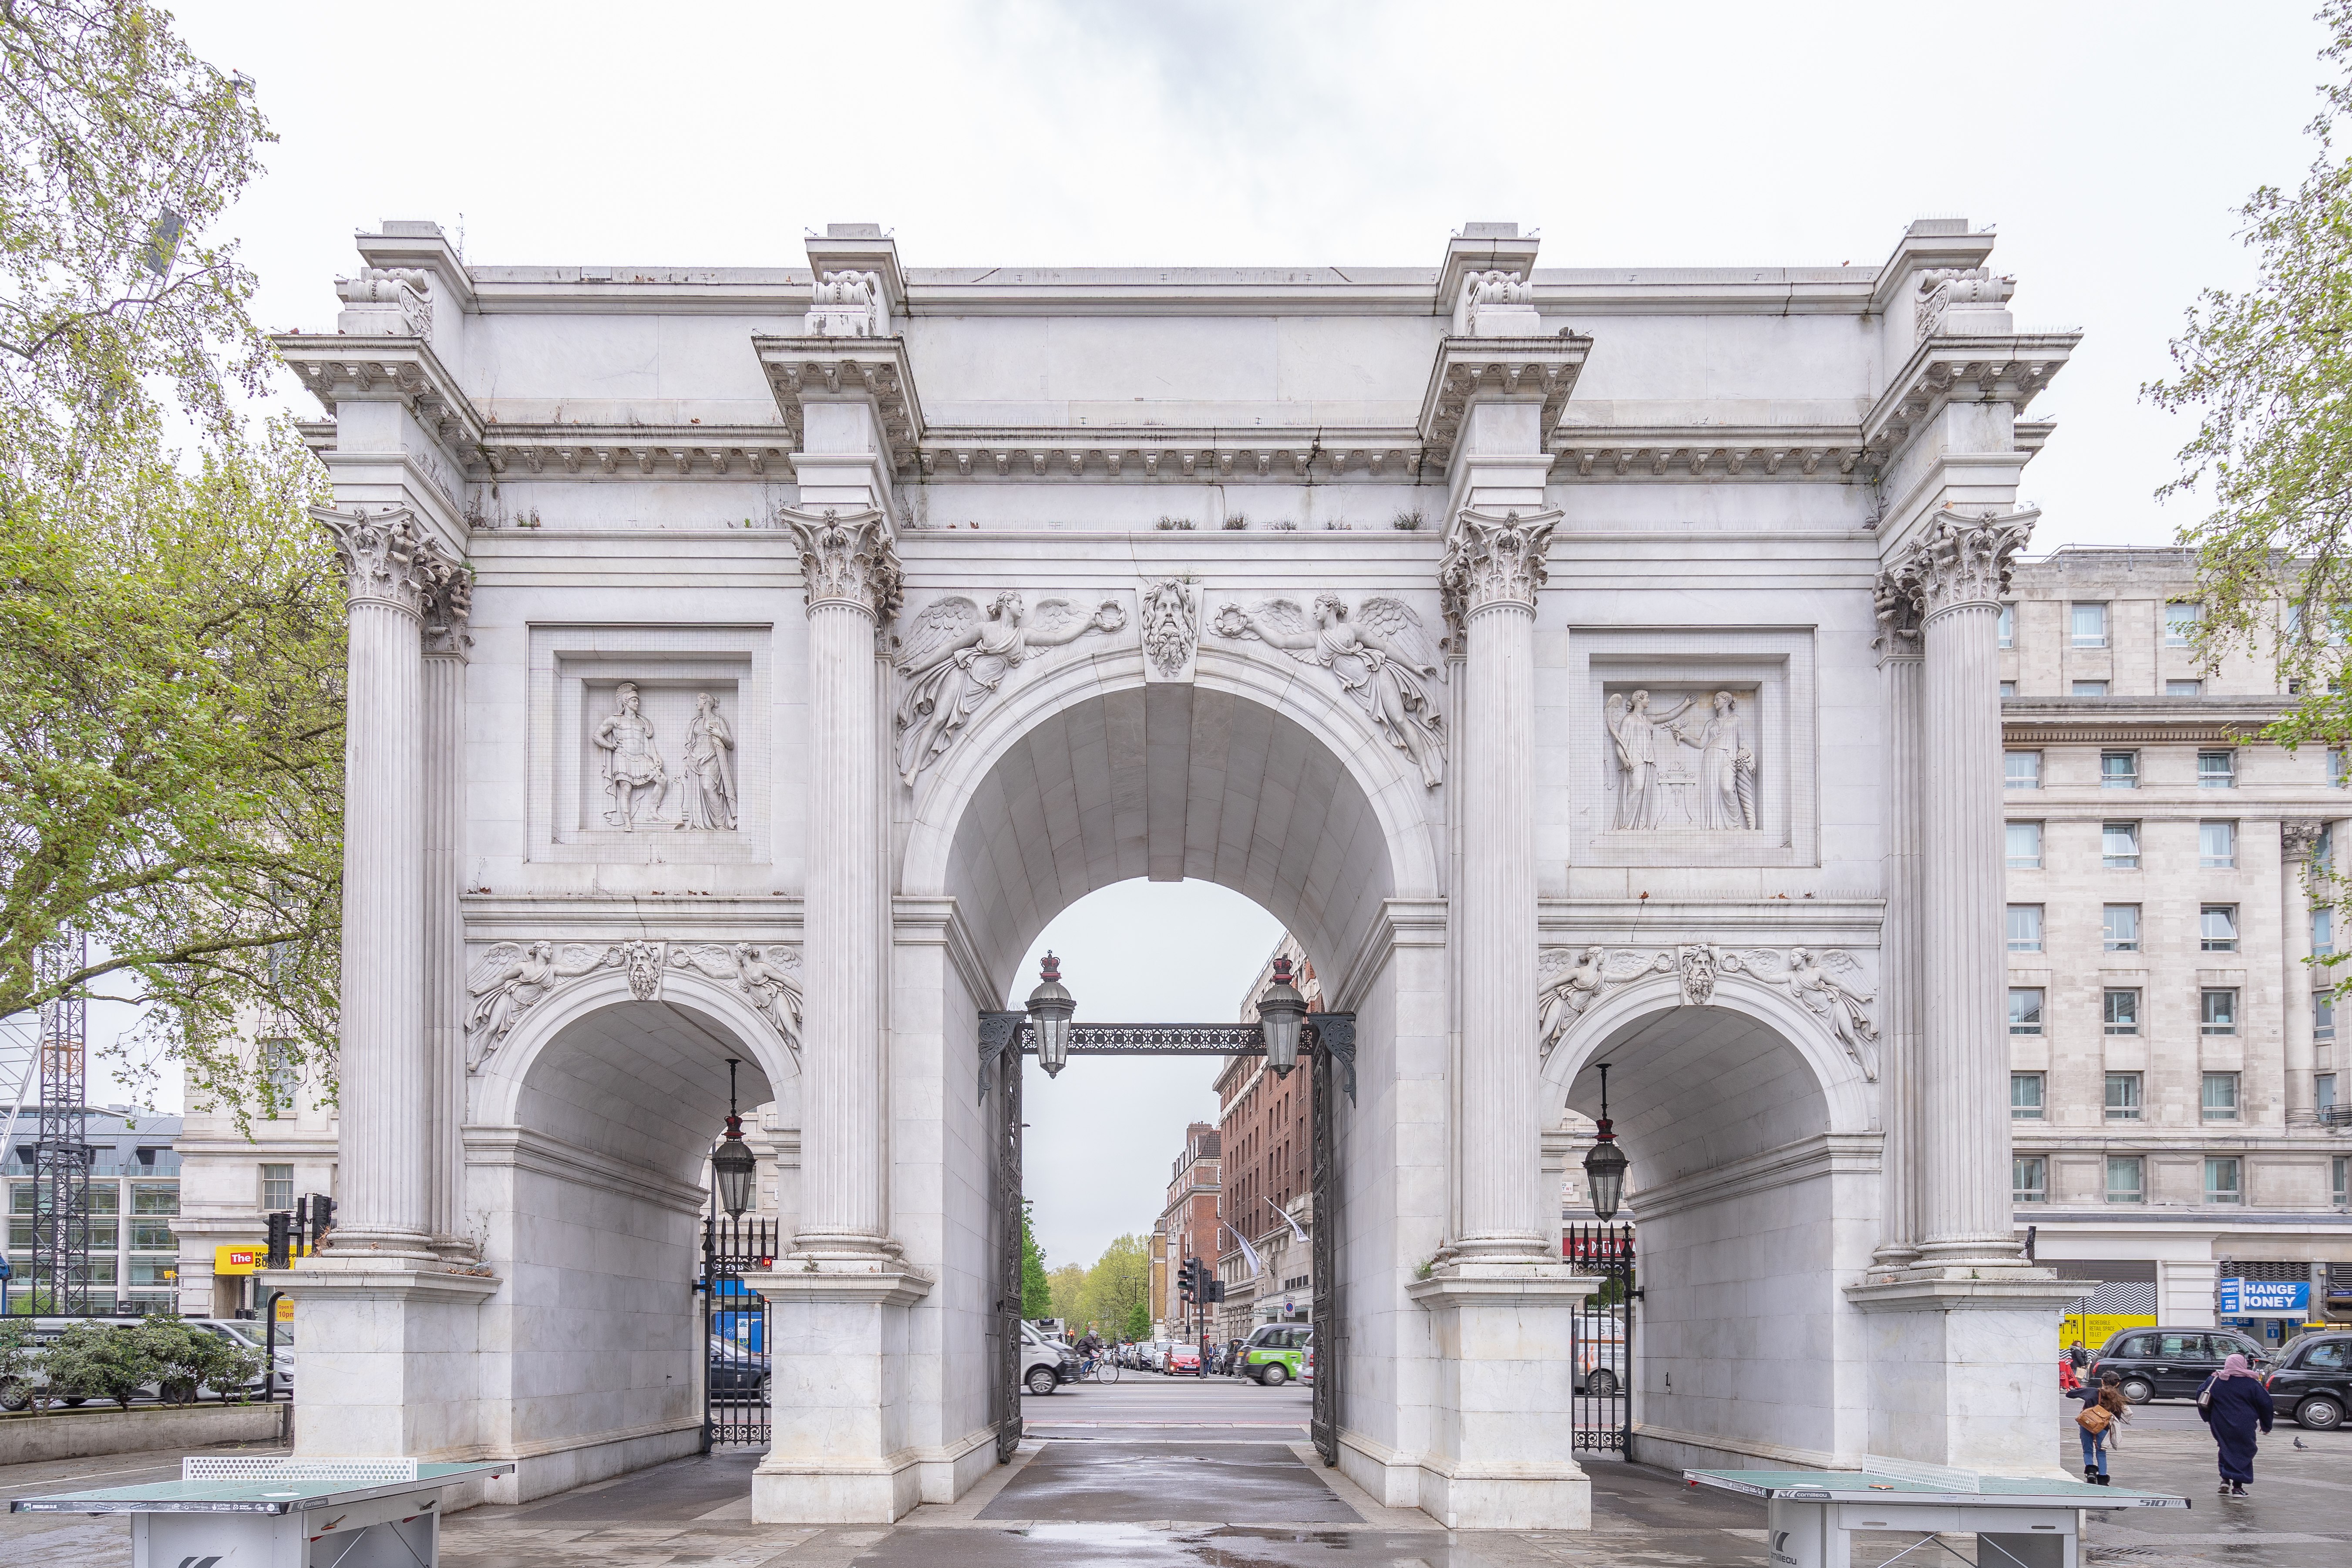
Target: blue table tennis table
point(2019, 1521)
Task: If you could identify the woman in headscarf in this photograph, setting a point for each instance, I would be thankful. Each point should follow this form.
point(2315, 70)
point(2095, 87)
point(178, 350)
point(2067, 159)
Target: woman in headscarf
point(2232, 1403)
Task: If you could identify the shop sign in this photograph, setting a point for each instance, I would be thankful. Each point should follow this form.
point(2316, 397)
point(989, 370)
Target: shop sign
point(2265, 1298)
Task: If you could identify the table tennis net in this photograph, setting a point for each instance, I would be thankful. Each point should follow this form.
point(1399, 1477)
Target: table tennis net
point(236, 1468)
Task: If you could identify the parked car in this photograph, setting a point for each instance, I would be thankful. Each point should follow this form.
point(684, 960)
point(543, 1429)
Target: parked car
point(738, 1372)
point(1272, 1355)
point(1306, 1370)
point(1600, 1368)
point(1183, 1360)
point(2171, 1363)
point(2313, 1380)
point(1157, 1354)
point(1046, 1365)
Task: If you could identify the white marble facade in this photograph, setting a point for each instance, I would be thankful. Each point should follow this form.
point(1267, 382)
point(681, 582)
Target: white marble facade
point(1585, 666)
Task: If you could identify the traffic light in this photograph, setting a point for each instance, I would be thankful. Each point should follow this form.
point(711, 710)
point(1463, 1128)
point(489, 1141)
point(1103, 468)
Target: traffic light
point(281, 1241)
point(1216, 1291)
point(1187, 1279)
point(322, 1218)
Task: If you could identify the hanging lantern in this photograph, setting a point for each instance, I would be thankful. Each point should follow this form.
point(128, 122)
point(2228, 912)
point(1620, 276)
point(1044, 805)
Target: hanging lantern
point(1050, 1009)
point(1280, 1012)
point(1604, 1163)
point(732, 1164)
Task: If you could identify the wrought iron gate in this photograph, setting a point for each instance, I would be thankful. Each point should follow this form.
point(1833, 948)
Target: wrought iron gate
point(735, 1350)
point(1603, 1401)
point(1328, 1040)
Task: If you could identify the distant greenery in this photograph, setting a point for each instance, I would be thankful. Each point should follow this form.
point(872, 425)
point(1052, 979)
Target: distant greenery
point(1118, 1283)
point(122, 1360)
point(1037, 1295)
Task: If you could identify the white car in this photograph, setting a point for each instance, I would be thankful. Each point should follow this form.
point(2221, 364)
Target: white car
point(1045, 1365)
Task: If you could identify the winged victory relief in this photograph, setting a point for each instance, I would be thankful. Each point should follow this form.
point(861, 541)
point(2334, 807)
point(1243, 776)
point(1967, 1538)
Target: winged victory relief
point(1380, 655)
point(955, 656)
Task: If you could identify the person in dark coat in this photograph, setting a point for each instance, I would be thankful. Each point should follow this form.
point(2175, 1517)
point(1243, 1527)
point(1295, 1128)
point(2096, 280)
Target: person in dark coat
point(2232, 1403)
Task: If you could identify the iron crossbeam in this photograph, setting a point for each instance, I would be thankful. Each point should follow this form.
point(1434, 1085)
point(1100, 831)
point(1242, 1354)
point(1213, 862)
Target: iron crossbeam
point(1333, 1032)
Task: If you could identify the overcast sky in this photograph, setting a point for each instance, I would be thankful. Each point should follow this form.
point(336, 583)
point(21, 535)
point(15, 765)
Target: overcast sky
point(2111, 145)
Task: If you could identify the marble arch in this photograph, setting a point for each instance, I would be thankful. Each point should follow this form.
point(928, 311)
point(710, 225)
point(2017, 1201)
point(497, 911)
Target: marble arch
point(706, 610)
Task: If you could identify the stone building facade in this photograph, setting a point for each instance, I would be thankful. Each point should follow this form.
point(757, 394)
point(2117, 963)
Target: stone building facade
point(1269, 1197)
point(1188, 1225)
point(2172, 1051)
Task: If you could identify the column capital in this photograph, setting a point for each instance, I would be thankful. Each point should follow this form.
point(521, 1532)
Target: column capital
point(1957, 561)
point(2298, 836)
point(388, 560)
point(1894, 598)
point(1493, 559)
point(848, 558)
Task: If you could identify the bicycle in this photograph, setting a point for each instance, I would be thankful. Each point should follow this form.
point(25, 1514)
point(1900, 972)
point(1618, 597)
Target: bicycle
point(1099, 1369)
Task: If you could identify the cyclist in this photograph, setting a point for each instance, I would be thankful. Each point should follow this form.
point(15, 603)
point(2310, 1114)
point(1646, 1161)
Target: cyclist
point(1089, 1351)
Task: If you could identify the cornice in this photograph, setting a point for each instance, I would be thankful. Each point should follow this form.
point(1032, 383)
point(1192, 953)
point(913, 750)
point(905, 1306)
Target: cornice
point(803, 369)
point(723, 917)
point(1948, 370)
point(335, 368)
point(634, 451)
point(1144, 454)
point(1681, 453)
point(2149, 718)
point(1524, 369)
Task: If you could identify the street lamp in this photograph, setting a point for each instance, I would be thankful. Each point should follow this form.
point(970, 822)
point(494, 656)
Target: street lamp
point(732, 1164)
point(1281, 1011)
point(1604, 1163)
point(1050, 1006)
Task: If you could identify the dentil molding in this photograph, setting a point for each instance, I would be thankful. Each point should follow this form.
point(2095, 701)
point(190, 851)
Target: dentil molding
point(513, 978)
point(1815, 978)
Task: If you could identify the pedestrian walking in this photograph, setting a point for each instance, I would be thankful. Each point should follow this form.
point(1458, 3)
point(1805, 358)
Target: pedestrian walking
point(2103, 1409)
point(2232, 1403)
point(2078, 1356)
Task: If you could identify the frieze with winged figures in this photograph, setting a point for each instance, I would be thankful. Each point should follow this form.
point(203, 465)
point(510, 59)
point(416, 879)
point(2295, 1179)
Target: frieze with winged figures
point(1818, 979)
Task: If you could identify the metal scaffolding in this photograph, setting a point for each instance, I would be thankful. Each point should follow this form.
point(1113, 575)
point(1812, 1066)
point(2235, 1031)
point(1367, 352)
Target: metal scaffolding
point(60, 1272)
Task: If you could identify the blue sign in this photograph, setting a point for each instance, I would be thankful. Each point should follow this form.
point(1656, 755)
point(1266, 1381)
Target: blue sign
point(2265, 1298)
point(6, 1271)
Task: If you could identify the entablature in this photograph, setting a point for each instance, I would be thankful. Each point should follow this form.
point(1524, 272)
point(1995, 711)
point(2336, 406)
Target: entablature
point(1708, 451)
point(1521, 368)
point(336, 368)
point(800, 369)
point(1948, 370)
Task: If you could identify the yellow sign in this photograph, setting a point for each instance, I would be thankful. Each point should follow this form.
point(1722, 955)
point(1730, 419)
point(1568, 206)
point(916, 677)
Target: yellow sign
point(238, 1259)
point(2095, 1329)
point(285, 1310)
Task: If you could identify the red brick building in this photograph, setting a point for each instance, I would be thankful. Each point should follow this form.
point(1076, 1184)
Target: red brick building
point(1267, 1170)
point(1190, 1226)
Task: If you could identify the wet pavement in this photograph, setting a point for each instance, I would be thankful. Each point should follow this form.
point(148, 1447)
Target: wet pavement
point(1163, 1474)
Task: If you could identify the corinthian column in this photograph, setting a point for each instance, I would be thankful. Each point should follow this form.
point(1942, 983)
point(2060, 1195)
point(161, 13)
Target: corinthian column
point(850, 565)
point(1899, 968)
point(2297, 838)
point(393, 573)
point(1493, 567)
point(1960, 568)
point(443, 692)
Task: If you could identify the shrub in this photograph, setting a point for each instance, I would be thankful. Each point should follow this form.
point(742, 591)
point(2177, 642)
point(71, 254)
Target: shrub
point(191, 1359)
point(20, 1366)
point(100, 1361)
point(1406, 522)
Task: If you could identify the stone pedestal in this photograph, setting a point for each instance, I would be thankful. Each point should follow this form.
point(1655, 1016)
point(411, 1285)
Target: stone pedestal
point(388, 1359)
point(1502, 1452)
point(840, 1449)
point(1963, 1371)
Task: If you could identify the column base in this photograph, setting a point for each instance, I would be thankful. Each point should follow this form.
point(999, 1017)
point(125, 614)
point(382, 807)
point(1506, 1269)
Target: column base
point(838, 1450)
point(1503, 1455)
point(388, 1356)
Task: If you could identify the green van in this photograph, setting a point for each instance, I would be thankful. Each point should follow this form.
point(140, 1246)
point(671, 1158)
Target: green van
point(1272, 1355)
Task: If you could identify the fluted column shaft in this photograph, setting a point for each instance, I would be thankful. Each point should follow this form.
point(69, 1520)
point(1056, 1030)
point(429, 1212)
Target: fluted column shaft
point(444, 695)
point(1899, 971)
point(2296, 840)
point(1964, 1177)
point(850, 570)
point(1494, 566)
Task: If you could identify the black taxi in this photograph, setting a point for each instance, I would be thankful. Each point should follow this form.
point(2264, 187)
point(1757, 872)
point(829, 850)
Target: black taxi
point(2312, 1383)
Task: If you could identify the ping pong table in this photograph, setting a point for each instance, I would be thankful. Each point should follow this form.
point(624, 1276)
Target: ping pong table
point(253, 1512)
point(2019, 1521)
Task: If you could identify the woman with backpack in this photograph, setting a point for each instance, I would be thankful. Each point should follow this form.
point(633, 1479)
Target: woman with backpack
point(2232, 1403)
point(2103, 1408)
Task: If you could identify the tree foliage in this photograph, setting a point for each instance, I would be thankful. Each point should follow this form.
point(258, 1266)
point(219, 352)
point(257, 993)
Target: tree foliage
point(2268, 372)
point(100, 1360)
point(1119, 1281)
point(1068, 1287)
point(1037, 1295)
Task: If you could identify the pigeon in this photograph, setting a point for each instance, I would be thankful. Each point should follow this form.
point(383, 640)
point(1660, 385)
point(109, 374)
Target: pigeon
point(2301, 1444)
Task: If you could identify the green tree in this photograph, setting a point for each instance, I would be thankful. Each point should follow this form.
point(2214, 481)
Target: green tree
point(189, 1359)
point(1066, 1285)
point(1119, 1281)
point(1139, 1322)
point(101, 1361)
point(20, 1366)
point(2267, 370)
point(1037, 1295)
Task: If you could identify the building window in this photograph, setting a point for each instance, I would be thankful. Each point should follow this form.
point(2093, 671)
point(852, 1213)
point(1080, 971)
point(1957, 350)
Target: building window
point(2184, 689)
point(2025, 927)
point(2216, 770)
point(2180, 623)
point(2119, 927)
point(2322, 1087)
point(2025, 1096)
point(2125, 1180)
point(2340, 1178)
point(2008, 689)
point(277, 1188)
point(279, 1081)
point(154, 1197)
point(2218, 1100)
point(2119, 846)
point(2028, 1180)
point(153, 1235)
point(2340, 765)
point(2323, 931)
point(2025, 1009)
point(2009, 626)
point(2025, 845)
point(2119, 770)
point(2217, 1011)
point(2090, 624)
point(2122, 1097)
point(2217, 845)
point(2217, 927)
point(2022, 770)
point(2224, 1179)
point(2120, 1009)
point(2090, 689)
point(2323, 1017)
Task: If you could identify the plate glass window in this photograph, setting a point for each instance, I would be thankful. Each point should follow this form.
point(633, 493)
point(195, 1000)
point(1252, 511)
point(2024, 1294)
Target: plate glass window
point(2216, 770)
point(2218, 1101)
point(2009, 626)
point(277, 1188)
point(2024, 846)
point(2184, 689)
point(2120, 1008)
point(2119, 846)
point(2090, 689)
point(2025, 1009)
point(2119, 927)
point(2090, 626)
point(2025, 1096)
point(2022, 770)
point(2122, 1097)
point(2181, 622)
point(2323, 931)
point(2119, 770)
point(2025, 927)
point(2217, 1010)
point(2126, 1178)
point(2217, 927)
point(2008, 689)
point(2224, 1179)
point(2340, 1176)
point(2217, 845)
point(2323, 1017)
point(2339, 766)
point(2029, 1179)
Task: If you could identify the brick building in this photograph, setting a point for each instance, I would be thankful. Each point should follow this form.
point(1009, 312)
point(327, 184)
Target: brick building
point(1188, 1226)
point(1268, 1171)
